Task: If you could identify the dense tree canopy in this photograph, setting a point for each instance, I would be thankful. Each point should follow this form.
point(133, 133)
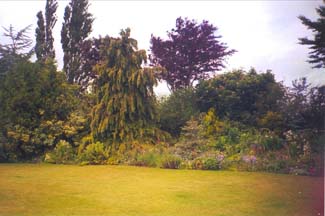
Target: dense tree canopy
point(240, 96)
point(191, 53)
point(91, 55)
point(40, 49)
point(35, 103)
point(304, 106)
point(76, 27)
point(125, 98)
point(176, 109)
point(317, 44)
point(44, 39)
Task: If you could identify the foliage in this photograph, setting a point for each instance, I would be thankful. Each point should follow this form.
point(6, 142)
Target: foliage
point(94, 153)
point(126, 105)
point(316, 44)
point(237, 120)
point(240, 96)
point(176, 109)
point(148, 159)
point(191, 142)
point(76, 27)
point(191, 52)
point(169, 161)
point(315, 114)
point(277, 166)
point(272, 120)
point(35, 108)
point(212, 125)
point(304, 106)
point(44, 39)
point(296, 104)
point(15, 51)
point(205, 163)
point(221, 135)
point(234, 138)
point(63, 153)
point(91, 55)
point(40, 37)
point(211, 164)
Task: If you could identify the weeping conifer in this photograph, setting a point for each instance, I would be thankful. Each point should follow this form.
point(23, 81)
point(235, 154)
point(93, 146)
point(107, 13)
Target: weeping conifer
point(125, 107)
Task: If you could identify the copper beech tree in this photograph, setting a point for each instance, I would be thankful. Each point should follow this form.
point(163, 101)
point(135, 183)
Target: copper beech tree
point(192, 52)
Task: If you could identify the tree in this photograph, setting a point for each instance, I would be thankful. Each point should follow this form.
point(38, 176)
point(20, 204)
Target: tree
point(317, 44)
point(50, 18)
point(240, 96)
point(191, 53)
point(315, 116)
point(176, 109)
point(76, 28)
point(44, 39)
point(16, 50)
point(35, 109)
point(40, 37)
point(125, 108)
point(90, 56)
point(304, 106)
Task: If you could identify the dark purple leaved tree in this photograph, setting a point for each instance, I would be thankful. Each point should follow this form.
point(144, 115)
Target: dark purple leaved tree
point(191, 53)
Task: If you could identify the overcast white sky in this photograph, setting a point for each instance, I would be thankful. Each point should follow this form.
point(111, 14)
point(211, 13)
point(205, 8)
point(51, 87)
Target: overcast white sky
point(265, 33)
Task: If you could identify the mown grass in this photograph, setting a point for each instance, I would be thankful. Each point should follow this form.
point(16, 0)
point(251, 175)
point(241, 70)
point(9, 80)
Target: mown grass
point(41, 189)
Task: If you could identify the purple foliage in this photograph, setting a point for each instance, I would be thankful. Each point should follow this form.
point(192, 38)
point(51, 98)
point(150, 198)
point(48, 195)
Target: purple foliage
point(191, 53)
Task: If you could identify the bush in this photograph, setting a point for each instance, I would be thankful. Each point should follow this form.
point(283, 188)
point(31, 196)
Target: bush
point(94, 153)
point(279, 166)
point(210, 164)
point(148, 159)
point(176, 110)
point(170, 162)
point(191, 143)
point(247, 163)
point(299, 171)
point(271, 142)
point(206, 163)
point(197, 163)
point(63, 153)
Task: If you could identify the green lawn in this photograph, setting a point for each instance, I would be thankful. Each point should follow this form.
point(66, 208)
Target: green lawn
point(40, 189)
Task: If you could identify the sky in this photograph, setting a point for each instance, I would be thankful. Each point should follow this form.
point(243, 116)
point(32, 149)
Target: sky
point(264, 33)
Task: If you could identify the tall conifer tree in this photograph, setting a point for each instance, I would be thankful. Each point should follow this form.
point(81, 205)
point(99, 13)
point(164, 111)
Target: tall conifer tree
point(40, 37)
point(44, 39)
point(50, 18)
point(76, 28)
